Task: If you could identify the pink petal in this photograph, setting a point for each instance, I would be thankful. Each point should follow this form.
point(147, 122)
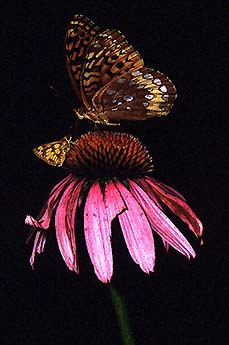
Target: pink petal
point(177, 205)
point(65, 224)
point(137, 231)
point(97, 231)
point(166, 245)
point(43, 221)
point(29, 220)
point(113, 201)
point(53, 201)
point(38, 246)
point(160, 222)
point(165, 187)
point(39, 241)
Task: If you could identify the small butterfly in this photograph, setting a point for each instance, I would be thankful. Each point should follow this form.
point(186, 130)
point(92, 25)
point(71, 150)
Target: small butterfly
point(109, 76)
point(54, 153)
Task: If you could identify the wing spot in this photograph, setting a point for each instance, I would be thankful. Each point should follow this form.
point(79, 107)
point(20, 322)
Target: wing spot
point(110, 92)
point(163, 88)
point(121, 81)
point(149, 96)
point(148, 76)
point(128, 98)
point(157, 81)
point(136, 73)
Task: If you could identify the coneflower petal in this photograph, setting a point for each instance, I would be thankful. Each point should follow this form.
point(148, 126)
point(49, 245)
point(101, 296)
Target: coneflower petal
point(53, 200)
point(113, 201)
point(177, 205)
point(166, 245)
point(97, 231)
point(160, 222)
point(65, 224)
point(165, 187)
point(29, 220)
point(137, 231)
point(38, 246)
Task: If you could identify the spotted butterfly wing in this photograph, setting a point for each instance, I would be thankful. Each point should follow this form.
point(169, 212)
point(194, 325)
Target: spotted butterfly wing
point(54, 153)
point(111, 74)
point(139, 94)
point(108, 56)
point(80, 33)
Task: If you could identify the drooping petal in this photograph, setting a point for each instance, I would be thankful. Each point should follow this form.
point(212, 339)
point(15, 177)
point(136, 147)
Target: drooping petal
point(53, 200)
point(166, 245)
point(65, 224)
point(44, 219)
point(29, 220)
point(177, 205)
point(137, 231)
point(160, 222)
point(39, 240)
point(38, 246)
point(165, 187)
point(97, 231)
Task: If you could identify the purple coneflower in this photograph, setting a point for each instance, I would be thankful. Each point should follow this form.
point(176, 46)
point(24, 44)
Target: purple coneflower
point(109, 178)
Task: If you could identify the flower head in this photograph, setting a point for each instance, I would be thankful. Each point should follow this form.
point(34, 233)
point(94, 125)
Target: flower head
point(109, 178)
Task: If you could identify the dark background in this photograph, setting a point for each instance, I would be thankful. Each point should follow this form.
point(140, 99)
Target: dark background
point(181, 303)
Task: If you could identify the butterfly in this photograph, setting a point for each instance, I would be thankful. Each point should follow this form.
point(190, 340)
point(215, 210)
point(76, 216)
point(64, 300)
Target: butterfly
point(109, 76)
point(54, 153)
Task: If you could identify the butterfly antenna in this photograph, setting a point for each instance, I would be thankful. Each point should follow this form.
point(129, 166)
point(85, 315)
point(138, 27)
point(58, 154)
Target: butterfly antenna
point(60, 95)
point(56, 92)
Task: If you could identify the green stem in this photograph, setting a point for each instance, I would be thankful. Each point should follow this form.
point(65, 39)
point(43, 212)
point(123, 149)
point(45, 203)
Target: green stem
point(122, 317)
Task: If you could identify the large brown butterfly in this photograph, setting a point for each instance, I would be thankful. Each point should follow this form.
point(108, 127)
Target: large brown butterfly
point(109, 76)
point(54, 153)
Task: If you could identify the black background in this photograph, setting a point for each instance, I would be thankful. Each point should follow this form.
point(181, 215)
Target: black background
point(182, 302)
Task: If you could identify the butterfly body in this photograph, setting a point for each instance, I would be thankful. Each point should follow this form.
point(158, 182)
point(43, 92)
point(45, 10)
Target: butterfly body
point(54, 153)
point(109, 76)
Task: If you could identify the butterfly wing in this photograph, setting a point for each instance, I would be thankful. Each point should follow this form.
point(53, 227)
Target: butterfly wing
point(109, 76)
point(53, 153)
point(80, 33)
point(136, 95)
point(109, 55)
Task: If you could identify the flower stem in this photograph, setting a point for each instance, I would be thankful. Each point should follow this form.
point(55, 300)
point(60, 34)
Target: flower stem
point(122, 317)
